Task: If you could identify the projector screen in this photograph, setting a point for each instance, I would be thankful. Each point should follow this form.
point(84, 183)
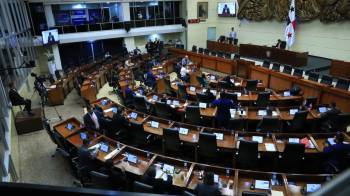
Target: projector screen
point(227, 9)
point(50, 37)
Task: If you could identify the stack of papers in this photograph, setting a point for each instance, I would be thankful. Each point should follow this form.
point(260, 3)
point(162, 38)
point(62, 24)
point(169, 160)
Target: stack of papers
point(258, 139)
point(270, 147)
point(262, 184)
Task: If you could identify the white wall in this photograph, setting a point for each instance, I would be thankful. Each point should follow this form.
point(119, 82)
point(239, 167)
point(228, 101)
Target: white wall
point(326, 40)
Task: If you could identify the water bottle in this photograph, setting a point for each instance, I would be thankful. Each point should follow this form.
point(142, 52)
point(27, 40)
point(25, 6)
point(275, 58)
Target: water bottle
point(118, 145)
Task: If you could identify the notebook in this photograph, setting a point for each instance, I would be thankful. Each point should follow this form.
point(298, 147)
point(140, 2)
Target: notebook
point(258, 139)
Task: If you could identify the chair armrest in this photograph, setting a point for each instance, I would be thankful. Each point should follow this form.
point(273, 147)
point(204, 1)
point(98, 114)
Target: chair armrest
point(148, 137)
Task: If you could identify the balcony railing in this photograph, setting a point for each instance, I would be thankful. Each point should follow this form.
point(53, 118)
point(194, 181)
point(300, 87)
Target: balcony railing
point(116, 25)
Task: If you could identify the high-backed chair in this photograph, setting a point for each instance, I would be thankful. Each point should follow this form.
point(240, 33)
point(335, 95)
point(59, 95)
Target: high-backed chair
point(247, 155)
point(298, 122)
point(291, 159)
point(263, 99)
point(276, 67)
point(168, 89)
point(313, 76)
point(194, 48)
point(192, 115)
point(311, 101)
point(251, 85)
point(237, 124)
point(326, 79)
point(340, 122)
point(201, 81)
point(233, 97)
point(298, 72)
point(207, 147)
point(137, 135)
point(140, 187)
point(100, 180)
point(287, 69)
point(200, 50)
point(269, 124)
point(205, 98)
point(342, 84)
point(224, 85)
point(141, 104)
point(266, 64)
point(162, 110)
point(181, 93)
point(171, 140)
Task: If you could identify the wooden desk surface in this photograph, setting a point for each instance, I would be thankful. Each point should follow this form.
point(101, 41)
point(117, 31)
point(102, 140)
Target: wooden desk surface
point(157, 131)
point(62, 129)
point(249, 137)
point(75, 139)
point(282, 140)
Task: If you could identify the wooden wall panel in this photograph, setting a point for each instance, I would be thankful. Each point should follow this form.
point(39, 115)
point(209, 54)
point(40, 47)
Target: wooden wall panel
point(210, 64)
point(224, 67)
point(280, 83)
point(257, 75)
point(342, 102)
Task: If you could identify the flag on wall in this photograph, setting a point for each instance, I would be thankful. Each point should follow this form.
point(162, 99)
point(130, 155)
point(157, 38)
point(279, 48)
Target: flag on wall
point(291, 25)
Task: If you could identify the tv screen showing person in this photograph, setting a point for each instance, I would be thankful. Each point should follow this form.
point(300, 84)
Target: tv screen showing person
point(50, 37)
point(227, 9)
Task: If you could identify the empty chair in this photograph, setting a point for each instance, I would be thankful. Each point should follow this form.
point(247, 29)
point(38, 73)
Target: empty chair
point(298, 122)
point(192, 115)
point(298, 72)
point(269, 124)
point(247, 157)
point(220, 54)
point(287, 69)
point(142, 188)
point(162, 110)
point(342, 84)
point(136, 134)
point(181, 93)
point(292, 157)
point(313, 76)
point(340, 122)
point(100, 180)
point(140, 104)
point(200, 50)
point(206, 51)
point(251, 85)
point(237, 56)
point(266, 64)
point(276, 67)
point(237, 124)
point(205, 98)
point(263, 99)
point(213, 53)
point(171, 140)
point(325, 79)
point(194, 48)
point(207, 147)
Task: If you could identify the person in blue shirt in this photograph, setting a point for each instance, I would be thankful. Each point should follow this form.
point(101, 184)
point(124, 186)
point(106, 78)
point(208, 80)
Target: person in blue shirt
point(223, 110)
point(129, 96)
point(185, 61)
point(150, 79)
point(337, 154)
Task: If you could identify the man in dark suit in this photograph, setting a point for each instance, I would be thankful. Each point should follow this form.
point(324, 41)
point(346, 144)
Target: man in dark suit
point(150, 79)
point(337, 153)
point(223, 110)
point(326, 117)
point(50, 38)
point(226, 10)
point(159, 185)
point(207, 187)
point(92, 119)
point(17, 99)
point(86, 158)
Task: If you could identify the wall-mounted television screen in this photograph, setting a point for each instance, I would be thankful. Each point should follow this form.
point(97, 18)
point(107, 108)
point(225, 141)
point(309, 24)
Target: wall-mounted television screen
point(227, 9)
point(50, 37)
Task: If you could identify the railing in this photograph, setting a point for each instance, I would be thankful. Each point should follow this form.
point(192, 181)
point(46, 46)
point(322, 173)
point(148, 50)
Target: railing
point(116, 25)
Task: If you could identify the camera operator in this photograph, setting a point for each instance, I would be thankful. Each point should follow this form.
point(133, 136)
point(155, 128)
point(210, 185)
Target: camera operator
point(39, 86)
point(17, 99)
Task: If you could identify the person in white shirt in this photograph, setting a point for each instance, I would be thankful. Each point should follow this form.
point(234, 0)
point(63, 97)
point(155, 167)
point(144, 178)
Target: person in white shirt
point(92, 119)
point(233, 34)
point(184, 73)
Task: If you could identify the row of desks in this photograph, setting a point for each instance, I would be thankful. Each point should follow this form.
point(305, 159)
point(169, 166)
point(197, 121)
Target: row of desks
point(188, 174)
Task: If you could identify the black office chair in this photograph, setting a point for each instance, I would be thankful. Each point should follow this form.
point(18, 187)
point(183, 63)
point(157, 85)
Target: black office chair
point(140, 104)
point(182, 93)
point(162, 110)
point(224, 85)
point(287, 69)
point(263, 99)
point(168, 90)
point(291, 159)
point(100, 180)
point(232, 96)
point(342, 84)
point(339, 122)
point(137, 135)
point(252, 85)
point(326, 79)
point(213, 53)
point(206, 51)
point(228, 55)
point(205, 98)
point(207, 147)
point(266, 64)
point(237, 56)
point(237, 124)
point(201, 81)
point(298, 122)
point(298, 72)
point(193, 115)
point(247, 155)
point(194, 48)
point(140, 187)
point(313, 76)
point(276, 67)
point(220, 54)
point(248, 193)
point(171, 140)
point(56, 139)
point(235, 41)
point(200, 50)
point(311, 101)
point(269, 124)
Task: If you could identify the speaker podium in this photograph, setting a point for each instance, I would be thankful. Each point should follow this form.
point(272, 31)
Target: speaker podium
point(25, 123)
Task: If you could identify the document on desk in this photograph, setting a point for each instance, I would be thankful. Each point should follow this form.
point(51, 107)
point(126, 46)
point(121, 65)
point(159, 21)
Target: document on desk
point(96, 146)
point(276, 193)
point(111, 154)
point(270, 147)
point(262, 184)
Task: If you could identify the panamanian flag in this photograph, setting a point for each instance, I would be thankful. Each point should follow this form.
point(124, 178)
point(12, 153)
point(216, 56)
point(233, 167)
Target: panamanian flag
point(291, 25)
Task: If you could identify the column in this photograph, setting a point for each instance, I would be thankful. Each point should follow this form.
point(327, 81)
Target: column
point(124, 11)
point(56, 54)
point(49, 16)
point(130, 43)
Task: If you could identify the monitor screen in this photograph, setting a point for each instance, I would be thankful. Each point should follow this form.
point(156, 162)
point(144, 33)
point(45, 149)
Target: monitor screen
point(227, 9)
point(50, 37)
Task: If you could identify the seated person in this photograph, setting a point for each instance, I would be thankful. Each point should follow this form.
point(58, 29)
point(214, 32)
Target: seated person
point(326, 117)
point(159, 185)
point(184, 73)
point(207, 187)
point(86, 158)
point(203, 80)
point(150, 79)
point(92, 119)
point(137, 51)
point(295, 91)
point(185, 61)
point(337, 153)
point(80, 78)
point(223, 114)
point(17, 99)
point(117, 177)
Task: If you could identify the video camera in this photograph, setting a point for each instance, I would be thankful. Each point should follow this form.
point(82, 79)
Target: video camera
point(40, 87)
